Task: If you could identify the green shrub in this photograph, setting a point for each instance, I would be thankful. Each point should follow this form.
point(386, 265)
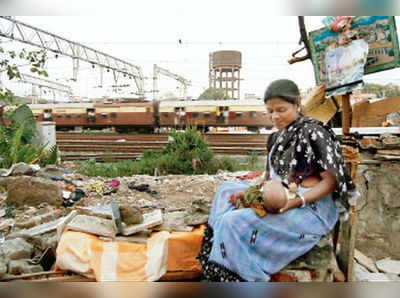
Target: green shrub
point(176, 158)
point(185, 147)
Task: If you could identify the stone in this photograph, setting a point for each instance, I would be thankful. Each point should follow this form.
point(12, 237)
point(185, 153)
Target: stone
point(174, 221)
point(32, 191)
point(22, 169)
point(320, 260)
point(6, 224)
point(39, 219)
point(93, 225)
point(19, 169)
point(362, 274)
point(4, 172)
point(38, 230)
point(50, 171)
point(393, 277)
point(99, 211)
point(3, 266)
point(47, 240)
point(198, 212)
point(15, 249)
point(17, 267)
point(130, 215)
point(365, 261)
point(388, 265)
point(150, 220)
point(63, 223)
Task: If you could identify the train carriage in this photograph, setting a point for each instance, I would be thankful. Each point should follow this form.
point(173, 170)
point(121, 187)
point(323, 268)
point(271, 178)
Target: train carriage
point(128, 116)
point(247, 113)
point(146, 116)
point(64, 114)
point(125, 114)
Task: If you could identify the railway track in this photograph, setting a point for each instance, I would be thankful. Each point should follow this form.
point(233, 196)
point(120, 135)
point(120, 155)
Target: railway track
point(113, 146)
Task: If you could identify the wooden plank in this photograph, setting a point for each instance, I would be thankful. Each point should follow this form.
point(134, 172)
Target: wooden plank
point(180, 275)
point(347, 239)
point(374, 113)
point(30, 275)
point(67, 278)
point(347, 235)
point(389, 152)
point(346, 109)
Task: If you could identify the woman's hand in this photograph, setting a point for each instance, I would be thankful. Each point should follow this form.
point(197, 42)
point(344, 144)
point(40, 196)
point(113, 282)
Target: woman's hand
point(236, 198)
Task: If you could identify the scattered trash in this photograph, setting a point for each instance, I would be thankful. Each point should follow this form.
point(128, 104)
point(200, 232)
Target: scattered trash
point(10, 210)
point(96, 187)
point(131, 185)
point(46, 259)
point(79, 193)
point(140, 187)
point(108, 191)
point(251, 175)
point(66, 194)
point(114, 183)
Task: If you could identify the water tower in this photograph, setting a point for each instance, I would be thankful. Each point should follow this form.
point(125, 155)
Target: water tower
point(224, 72)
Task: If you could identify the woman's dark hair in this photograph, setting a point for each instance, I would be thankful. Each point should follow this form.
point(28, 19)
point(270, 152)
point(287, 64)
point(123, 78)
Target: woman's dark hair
point(284, 89)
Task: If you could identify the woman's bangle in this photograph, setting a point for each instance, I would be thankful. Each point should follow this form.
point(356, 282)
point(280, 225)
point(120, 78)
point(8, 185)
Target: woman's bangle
point(303, 200)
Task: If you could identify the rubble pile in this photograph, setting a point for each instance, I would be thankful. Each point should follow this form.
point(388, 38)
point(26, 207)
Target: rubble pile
point(365, 269)
point(37, 205)
point(386, 147)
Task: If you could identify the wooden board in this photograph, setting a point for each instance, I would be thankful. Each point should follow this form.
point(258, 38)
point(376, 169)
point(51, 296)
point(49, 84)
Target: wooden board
point(180, 275)
point(374, 113)
point(347, 240)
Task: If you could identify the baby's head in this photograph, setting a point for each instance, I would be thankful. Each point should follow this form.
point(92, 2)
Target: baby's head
point(275, 196)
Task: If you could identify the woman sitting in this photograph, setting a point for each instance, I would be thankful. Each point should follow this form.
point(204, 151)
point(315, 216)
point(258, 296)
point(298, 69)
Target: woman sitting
point(239, 245)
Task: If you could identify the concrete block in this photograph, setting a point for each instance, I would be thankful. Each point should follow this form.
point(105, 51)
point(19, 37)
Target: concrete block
point(15, 249)
point(93, 225)
point(22, 267)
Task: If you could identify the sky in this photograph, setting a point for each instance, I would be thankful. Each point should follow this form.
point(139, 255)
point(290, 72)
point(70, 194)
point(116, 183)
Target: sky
point(148, 34)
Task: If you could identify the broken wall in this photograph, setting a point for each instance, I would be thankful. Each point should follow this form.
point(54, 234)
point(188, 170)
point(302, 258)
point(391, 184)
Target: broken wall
point(378, 226)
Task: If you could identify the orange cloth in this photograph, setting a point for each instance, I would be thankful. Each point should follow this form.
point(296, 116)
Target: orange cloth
point(124, 261)
point(183, 248)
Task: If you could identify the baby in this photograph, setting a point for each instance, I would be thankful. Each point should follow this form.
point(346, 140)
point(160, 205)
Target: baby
point(272, 196)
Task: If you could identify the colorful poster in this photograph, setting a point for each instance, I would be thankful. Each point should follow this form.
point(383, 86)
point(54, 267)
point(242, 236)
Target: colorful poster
point(345, 68)
point(378, 31)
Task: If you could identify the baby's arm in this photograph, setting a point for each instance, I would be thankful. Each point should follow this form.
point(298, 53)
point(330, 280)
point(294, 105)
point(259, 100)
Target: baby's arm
point(293, 187)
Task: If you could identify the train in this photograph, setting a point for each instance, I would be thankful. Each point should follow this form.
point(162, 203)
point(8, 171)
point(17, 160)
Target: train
point(156, 116)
